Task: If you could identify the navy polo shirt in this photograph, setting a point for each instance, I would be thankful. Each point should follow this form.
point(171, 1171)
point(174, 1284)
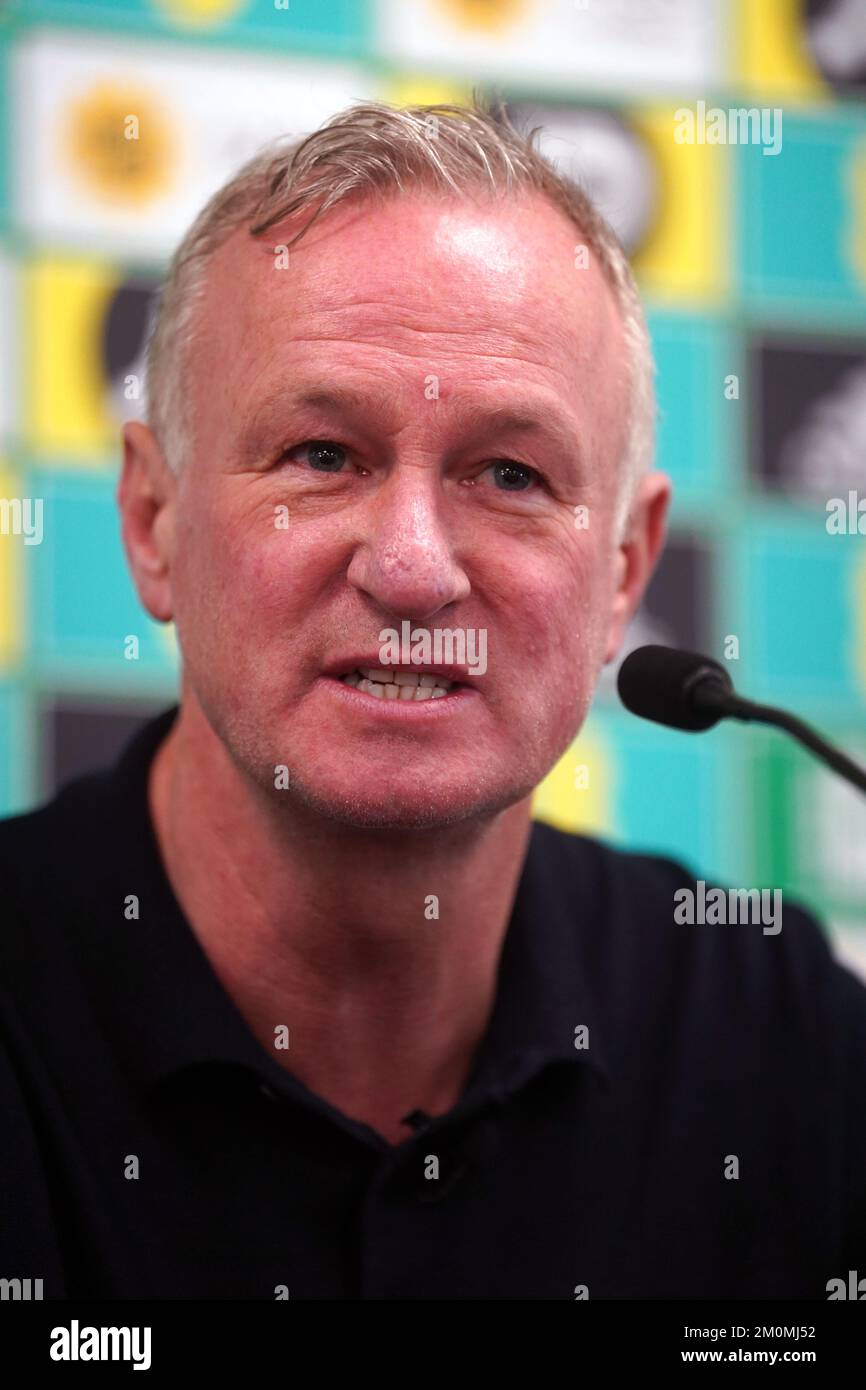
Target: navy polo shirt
point(657, 1110)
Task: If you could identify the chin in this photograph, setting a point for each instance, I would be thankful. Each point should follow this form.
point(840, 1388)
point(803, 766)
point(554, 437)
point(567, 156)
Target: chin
point(412, 808)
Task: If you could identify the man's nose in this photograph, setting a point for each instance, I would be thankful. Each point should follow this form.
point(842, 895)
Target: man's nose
point(406, 562)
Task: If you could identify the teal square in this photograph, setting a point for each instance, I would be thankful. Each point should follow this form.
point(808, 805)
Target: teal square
point(801, 611)
point(675, 794)
point(341, 26)
point(81, 597)
point(802, 226)
point(698, 427)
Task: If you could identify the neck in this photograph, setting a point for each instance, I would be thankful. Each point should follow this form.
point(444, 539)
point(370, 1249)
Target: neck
point(378, 947)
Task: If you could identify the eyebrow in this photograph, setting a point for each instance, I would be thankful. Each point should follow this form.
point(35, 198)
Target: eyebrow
point(517, 418)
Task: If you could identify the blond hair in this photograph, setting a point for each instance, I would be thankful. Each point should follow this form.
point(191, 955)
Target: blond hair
point(374, 149)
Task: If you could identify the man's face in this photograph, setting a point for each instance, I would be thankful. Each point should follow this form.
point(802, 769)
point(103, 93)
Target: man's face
point(358, 418)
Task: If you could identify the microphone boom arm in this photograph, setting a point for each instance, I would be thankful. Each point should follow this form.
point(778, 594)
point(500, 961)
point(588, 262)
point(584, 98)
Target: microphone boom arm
point(711, 696)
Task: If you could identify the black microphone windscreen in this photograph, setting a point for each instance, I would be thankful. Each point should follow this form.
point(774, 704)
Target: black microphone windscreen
point(657, 683)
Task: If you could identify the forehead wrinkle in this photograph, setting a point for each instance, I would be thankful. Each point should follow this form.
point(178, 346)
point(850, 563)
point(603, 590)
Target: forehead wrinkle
point(331, 283)
point(466, 321)
point(498, 369)
point(543, 332)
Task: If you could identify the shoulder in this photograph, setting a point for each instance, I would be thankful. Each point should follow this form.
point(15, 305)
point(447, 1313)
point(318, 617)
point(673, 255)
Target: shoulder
point(646, 917)
point(36, 972)
point(37, 844)
point(28, 1237)
point(768, 1021)
point(53, 860)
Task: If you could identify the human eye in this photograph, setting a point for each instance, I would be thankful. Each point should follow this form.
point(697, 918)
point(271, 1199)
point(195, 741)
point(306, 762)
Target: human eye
point(510, 476)
point(322, 455)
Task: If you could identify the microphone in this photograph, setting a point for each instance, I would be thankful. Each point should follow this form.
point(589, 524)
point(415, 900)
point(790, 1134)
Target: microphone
point(692, 692)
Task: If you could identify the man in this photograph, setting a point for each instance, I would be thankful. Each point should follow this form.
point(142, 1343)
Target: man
point(297, 1001)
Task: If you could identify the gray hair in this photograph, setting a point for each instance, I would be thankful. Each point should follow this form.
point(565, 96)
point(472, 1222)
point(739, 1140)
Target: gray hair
point(375, 150)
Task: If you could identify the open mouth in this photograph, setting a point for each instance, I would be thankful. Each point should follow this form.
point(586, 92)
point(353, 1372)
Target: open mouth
point(399, 685)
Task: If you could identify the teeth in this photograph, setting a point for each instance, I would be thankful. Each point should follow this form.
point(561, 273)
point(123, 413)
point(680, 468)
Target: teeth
point(398, 685)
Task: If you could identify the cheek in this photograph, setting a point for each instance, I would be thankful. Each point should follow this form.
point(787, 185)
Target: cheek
point(275, 575)
point(249, 564)
point(563, 609)
point(219, 577)
point(562, 632)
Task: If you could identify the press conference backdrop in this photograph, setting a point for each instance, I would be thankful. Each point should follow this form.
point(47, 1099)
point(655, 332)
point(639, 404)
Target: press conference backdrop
point(751, 252)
